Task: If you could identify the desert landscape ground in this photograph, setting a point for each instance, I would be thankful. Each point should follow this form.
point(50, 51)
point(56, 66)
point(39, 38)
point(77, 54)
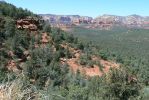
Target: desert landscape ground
point(72, 57)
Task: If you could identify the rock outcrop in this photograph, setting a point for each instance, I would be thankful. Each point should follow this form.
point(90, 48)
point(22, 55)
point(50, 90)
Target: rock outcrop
point(29, 23)
point(44, 38)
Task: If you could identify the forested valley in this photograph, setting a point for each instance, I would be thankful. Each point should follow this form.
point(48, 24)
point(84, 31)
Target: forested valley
point(38, 62)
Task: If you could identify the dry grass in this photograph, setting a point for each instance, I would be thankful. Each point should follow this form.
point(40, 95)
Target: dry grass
point(16, 90)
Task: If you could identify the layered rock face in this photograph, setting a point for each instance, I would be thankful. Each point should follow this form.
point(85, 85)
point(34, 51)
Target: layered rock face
point(129, 21)
point(29, 23)
point(104, 21)
point(67, 19)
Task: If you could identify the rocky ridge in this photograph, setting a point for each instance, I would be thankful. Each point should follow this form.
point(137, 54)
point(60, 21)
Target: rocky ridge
point(104, 21)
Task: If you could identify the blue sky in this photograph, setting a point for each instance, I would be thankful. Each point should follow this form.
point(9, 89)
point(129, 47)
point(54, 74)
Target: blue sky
point(85, 7)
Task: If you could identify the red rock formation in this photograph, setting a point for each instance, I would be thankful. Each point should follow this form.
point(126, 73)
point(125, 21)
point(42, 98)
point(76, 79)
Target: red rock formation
point(28, 23)
point(12, 66)
point(45, 38)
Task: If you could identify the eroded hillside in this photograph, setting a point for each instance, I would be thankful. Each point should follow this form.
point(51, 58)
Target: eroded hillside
point(39, 62)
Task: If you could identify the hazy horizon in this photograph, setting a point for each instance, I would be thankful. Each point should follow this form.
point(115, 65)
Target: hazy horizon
point(85, 7)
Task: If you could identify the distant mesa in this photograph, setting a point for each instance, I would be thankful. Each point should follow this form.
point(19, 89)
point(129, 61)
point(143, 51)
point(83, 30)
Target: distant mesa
point(105, 21)
point(66, 20)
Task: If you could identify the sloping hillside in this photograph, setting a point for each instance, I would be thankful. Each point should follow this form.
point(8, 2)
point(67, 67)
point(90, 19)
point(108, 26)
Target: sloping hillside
point(43, 39)
point(38, 62)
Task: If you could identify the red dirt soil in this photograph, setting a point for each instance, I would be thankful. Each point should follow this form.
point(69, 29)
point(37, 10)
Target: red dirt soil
point(91, 71)
point(87, 70)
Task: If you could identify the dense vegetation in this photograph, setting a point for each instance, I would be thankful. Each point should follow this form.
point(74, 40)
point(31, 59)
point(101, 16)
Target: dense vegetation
point(14, 12)
point(43, 77)
point(122, 40)
point(124, 45)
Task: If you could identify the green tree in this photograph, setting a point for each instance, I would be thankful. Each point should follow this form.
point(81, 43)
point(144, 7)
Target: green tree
point(121, 85)
point(47, 28)
point(10, 28)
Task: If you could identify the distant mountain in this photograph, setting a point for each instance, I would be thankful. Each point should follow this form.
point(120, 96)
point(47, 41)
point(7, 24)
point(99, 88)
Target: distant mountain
point(66, 19)
point(130, 21)
point(103, 21)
